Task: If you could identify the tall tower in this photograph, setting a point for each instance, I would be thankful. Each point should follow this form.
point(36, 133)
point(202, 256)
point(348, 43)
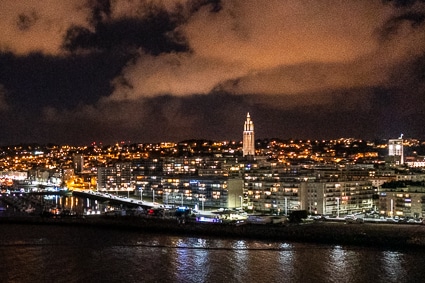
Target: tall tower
point(395, 149)
point(248, 137)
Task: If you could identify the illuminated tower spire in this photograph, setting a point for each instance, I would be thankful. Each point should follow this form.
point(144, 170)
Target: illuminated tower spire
point(248, 137)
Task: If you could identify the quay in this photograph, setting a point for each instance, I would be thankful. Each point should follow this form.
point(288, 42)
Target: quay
point(385, 234)
point(388, 236)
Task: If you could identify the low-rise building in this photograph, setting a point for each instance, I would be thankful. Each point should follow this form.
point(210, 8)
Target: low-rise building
point(336, 197)
point(403, 201)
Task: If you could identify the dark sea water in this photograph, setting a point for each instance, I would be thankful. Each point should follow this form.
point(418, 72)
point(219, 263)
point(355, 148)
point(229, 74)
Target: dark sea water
point(31, 253)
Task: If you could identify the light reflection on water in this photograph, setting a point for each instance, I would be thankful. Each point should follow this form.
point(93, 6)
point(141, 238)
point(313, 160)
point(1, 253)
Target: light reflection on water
point(76, 204)
point(82, 254)
point(393, 264)
point(338, 262)
point(286, 260)
point(195, 260)
point(240, 259)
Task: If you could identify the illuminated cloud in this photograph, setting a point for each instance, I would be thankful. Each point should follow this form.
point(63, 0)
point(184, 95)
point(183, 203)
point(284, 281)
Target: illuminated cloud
point(173, 73)
point(138, 9)
point(266, 34)
point(175, 69)
point(278, 47)
point(39, 25)
point(245, 47)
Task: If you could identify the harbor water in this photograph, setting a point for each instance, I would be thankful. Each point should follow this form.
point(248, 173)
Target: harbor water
point(49, 253)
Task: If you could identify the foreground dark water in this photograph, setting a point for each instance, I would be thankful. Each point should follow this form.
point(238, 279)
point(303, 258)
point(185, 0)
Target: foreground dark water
point(31, 253)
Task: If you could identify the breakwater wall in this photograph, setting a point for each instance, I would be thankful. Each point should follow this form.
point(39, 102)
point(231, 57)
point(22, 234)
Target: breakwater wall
point(398, 236)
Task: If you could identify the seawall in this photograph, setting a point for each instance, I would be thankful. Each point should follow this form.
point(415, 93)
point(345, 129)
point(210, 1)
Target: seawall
point(398, 236)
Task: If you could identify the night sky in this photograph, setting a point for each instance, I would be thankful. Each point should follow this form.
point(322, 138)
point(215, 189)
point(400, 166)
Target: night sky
point(82, 71)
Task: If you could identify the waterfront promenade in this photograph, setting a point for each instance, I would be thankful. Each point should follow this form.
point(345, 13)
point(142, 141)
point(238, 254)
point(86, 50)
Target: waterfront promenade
point(383, 234)
point(397, 236)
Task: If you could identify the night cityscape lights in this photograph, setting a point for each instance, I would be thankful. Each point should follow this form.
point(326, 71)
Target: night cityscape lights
point(329, 177)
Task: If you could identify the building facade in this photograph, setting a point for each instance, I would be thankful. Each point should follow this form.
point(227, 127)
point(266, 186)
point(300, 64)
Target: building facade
point(395, 150)
point(337, 198)
point(78, 163)
point(212, 192)
point(248, 137)
point(115, 178)
point(407, 201)
point(271, 189)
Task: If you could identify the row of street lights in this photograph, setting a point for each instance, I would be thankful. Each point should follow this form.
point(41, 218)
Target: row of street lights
point(153, 196)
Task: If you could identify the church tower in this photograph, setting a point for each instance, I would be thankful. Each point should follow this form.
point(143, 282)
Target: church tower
point(248, 137)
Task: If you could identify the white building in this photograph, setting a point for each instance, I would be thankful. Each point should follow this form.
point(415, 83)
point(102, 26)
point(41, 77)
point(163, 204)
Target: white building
point(336, 198)
point(395, 150)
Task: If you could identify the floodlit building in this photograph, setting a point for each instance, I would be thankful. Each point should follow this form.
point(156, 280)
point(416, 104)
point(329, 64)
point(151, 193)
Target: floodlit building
point(415, 161)
point(395, 150)
point(248, 137)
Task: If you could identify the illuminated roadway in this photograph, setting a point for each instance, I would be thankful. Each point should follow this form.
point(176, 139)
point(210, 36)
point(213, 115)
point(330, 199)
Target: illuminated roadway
point(114, 199)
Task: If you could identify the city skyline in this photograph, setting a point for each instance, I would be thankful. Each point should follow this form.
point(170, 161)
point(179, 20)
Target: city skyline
point(149, 71)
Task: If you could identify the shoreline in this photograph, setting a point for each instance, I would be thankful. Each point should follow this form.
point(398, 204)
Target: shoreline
point(399, 236)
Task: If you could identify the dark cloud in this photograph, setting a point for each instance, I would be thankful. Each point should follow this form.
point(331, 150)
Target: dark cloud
point(85, 70)
point(101, 9)
point(360, 113)
point(4, 105)
point(402, 3)
point(61, 82)
point(376, 113)
point(393, 26)
point(26, 21)
point(153, 33)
